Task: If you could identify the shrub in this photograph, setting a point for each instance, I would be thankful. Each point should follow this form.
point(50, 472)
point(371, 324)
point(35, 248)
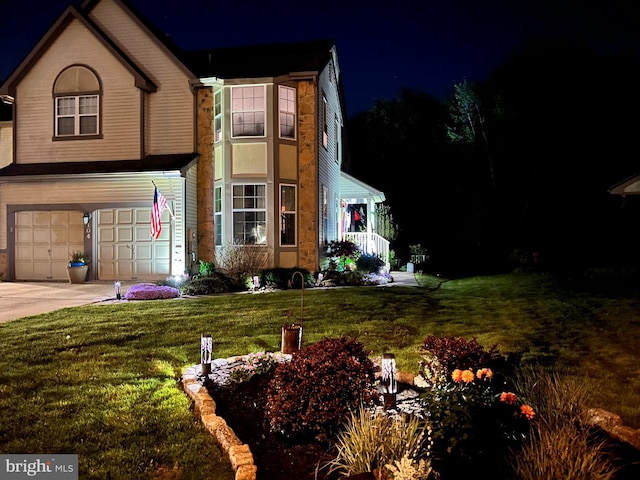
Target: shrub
point(206, 268)
point(369, 263)
point(312, 394)
point(239, 262)
point(216, 283)
point(342, 255)
point(370, 441)
point(473, 410)
point(282, 278)
point(441, 355)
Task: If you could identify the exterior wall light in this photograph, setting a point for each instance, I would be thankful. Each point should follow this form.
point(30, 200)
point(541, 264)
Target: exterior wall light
point(206, 348)
point(87, 228)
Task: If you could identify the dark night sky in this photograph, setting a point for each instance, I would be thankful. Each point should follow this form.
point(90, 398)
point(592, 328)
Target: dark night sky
point(382, 46)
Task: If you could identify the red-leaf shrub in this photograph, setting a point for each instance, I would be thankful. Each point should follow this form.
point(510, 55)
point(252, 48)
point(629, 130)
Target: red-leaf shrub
point(313, 394)
point(457, 352)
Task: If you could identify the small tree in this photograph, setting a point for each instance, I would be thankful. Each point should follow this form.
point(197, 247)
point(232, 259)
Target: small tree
point(239, 262)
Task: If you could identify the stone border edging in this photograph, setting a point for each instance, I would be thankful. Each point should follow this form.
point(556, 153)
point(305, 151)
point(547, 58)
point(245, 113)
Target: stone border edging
point(239, 453)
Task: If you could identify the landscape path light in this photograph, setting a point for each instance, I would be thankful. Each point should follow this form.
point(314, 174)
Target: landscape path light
point(206, 349)
point(292, 332)
point(117, 287)
point(389, 382)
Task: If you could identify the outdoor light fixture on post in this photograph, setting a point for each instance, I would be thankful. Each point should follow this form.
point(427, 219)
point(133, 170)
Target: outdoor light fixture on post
point(389, 382)
point(117, 286)
point(206, 347)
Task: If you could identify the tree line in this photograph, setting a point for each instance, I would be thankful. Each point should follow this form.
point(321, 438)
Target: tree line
point(515, 168)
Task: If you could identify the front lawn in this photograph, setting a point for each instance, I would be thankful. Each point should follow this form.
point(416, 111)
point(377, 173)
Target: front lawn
point(103, 381)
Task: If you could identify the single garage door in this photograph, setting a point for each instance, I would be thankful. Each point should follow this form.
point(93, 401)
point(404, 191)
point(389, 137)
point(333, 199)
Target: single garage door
point(126, 250)
point(44, 242)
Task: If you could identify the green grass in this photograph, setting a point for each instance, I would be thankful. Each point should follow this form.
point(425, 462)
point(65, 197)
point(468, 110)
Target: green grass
point(102, 380)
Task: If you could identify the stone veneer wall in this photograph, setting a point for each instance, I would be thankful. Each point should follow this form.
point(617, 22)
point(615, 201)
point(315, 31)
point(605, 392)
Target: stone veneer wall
point(204, 129)
point(308, 175)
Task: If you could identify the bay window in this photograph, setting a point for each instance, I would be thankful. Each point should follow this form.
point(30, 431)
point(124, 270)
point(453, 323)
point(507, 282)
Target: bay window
point(249, 214)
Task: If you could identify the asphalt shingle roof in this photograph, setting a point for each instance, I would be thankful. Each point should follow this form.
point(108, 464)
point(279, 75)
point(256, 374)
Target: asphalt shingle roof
point(268, 60)
point(150, 163)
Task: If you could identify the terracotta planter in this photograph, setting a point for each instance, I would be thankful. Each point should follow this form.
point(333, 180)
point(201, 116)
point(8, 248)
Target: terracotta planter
point(77, 274)
point(291, 338)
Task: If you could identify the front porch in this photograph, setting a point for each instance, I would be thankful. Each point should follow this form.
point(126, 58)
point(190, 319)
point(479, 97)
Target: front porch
point(371, 244)
point(358, 217)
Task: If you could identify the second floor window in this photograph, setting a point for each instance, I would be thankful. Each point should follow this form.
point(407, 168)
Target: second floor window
point(250, 214)
point(336, 135)
point(76, 102)
point(217, 116)
point(77, 115)
point(248, 111)
point(325, 122)
point(287, 104)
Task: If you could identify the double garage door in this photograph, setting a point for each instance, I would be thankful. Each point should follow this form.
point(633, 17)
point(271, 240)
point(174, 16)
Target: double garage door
point(122, 246)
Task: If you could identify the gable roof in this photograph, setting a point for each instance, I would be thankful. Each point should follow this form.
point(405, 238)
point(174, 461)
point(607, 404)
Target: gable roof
point(629, 186)
point(354, 188)
point(268, 60)
point(70, 14)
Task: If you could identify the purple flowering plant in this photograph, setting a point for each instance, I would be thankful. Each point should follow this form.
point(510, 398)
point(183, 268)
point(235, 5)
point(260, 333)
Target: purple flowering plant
point(147, 291)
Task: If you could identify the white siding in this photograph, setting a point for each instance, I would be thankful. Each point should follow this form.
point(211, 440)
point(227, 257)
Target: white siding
point(170, 119)
point(120, 104)
point(328, 168)
point(93, 194)
point(6, 143)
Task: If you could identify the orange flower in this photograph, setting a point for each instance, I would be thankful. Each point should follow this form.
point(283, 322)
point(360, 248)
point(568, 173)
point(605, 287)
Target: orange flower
point(468, 376)
point(457, 375)
point(484, 373)
point(527, 411)
point(508, 398)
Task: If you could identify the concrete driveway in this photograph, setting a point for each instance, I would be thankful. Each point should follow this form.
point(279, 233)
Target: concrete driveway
point(21, 299)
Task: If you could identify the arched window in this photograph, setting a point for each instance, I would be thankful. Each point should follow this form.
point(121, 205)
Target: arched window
point(76, 96)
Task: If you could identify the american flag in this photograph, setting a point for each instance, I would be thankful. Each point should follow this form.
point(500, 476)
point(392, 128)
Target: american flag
point(159, 204)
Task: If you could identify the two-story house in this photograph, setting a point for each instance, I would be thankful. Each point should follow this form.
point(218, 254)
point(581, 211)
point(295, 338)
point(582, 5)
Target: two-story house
point(244, 143)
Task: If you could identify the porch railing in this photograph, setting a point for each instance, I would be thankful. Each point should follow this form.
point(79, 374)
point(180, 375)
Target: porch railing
point(370, 243)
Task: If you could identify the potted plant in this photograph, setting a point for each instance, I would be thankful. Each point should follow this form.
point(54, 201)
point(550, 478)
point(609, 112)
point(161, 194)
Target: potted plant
point(78, 267)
